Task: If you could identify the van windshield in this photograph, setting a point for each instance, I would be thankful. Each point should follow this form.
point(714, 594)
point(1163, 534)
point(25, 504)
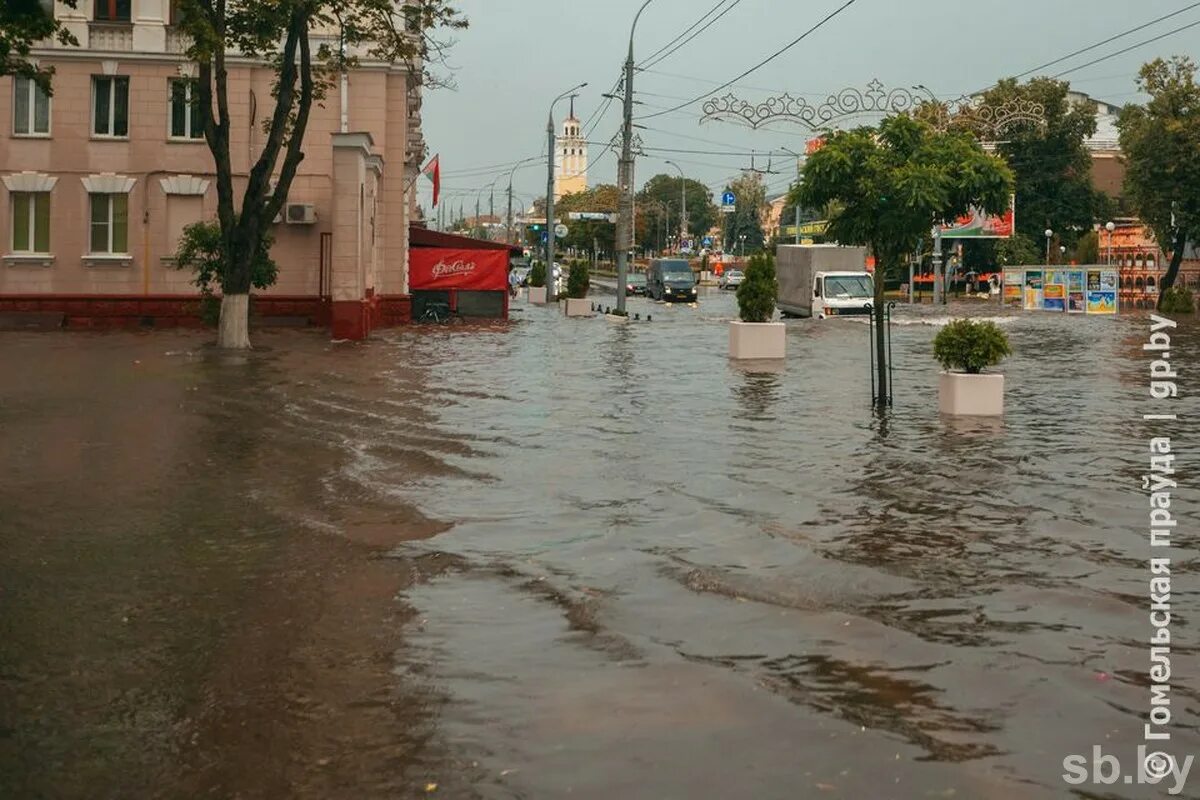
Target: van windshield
point(679, 276)
point(849, 286)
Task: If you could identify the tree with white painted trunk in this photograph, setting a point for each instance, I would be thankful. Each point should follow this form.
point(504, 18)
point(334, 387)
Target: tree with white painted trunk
point(278, 32)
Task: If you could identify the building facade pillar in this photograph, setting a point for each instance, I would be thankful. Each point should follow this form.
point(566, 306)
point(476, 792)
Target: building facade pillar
point(350, 310)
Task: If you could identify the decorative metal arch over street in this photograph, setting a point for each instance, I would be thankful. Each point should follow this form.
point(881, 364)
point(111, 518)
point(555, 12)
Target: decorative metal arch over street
point(873, 102)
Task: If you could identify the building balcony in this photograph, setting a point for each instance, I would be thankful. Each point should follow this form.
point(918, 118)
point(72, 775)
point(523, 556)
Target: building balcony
point(116, 36)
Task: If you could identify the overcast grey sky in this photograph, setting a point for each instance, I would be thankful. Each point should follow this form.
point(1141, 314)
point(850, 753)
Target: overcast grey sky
point(518, 54)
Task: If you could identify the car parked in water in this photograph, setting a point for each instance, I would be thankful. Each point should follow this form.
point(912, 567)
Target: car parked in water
point(635, 284)
point(731, 279)
point(671, 280)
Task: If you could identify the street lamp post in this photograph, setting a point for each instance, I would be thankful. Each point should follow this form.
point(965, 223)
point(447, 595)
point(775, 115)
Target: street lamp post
point(1110, 226)
point(625, 221)
point(1049, 236)
point(683, 220)
point(550, 188)
point(742, 239)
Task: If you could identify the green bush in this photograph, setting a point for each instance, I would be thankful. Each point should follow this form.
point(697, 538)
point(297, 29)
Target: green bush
point(756, 296)
point(968, 346)
point(537, 275)
point(1178, 300)
point(578, 281)
point(200, 250)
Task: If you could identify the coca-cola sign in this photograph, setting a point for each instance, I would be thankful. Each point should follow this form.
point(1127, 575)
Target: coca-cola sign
point(445, 268)
point(458, 268)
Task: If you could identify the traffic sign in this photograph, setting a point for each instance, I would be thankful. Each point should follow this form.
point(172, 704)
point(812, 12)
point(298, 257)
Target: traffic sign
point(545, 236)
point(728, 199)
point(707, 241)
point(560, 231)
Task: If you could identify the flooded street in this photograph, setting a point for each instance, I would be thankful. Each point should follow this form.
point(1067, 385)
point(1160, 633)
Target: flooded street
point(567, 558)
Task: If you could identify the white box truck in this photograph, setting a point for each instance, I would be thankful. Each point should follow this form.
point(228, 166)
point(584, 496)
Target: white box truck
point(822, 280)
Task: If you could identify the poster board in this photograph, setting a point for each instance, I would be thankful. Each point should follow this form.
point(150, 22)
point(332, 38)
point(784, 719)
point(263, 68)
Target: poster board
point(1070, 290)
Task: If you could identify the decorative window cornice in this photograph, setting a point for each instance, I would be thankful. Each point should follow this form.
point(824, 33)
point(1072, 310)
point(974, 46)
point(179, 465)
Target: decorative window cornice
point(183, 184)
point(29, 182)
point(108, 183)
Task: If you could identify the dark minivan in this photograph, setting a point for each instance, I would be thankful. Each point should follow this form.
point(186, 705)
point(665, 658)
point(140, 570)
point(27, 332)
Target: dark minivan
point(671, 279)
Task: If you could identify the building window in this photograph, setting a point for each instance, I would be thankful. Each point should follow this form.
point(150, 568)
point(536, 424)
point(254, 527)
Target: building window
point(110, 223)
point(30, 222)
point(31, 108)
point(186, 120)
point(112, 11)
point(110, 106)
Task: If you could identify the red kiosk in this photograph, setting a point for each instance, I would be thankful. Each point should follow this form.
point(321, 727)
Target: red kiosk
point(468, 277)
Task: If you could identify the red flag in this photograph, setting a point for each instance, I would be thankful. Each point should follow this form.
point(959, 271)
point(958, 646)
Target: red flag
point(433, 171)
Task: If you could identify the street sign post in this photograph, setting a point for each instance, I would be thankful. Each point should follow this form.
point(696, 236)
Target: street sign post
point(728, 203)
point(561, 231)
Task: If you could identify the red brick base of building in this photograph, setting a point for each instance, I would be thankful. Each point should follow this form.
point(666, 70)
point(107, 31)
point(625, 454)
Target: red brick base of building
point(352, 320)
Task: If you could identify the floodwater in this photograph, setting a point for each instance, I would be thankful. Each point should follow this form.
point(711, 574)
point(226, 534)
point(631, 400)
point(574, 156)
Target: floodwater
point(569, 558)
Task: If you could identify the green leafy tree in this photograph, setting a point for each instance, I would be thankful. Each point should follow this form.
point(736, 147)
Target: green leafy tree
point(586, 234)
point(757, 293)
point(970, 346)
point(1049, 160)
point(1178, 300)
point(1087, 249)
point(279, 32)
point(667, 191)
point(1161, 143)
point(893, 183)
point(23, 23)
point(201, 250)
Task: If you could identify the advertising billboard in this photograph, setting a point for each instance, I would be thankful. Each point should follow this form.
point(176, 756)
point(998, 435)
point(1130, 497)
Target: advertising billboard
point(978, 225)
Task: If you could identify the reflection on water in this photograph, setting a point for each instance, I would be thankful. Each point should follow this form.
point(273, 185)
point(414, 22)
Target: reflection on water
point(617, 564)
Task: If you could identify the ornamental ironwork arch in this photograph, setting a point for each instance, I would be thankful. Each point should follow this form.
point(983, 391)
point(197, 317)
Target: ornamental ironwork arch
point(874, 101)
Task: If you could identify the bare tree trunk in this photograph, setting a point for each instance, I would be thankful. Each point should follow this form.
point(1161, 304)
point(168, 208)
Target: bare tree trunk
point(233, 332)
point(1172, 275)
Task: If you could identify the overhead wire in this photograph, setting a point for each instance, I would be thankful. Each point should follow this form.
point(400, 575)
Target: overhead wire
point(656, 58)
point(820, 24)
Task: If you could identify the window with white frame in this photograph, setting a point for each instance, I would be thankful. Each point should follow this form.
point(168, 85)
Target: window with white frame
point(30, 222)
point(110, 223)
point(186, 122)
point(110, 105)
point(31, 108)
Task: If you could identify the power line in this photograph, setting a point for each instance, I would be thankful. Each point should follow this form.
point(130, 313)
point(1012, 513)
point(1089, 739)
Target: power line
point(762, 63)
point(690, 28)
point(1127, 49)
point(651, 61)
point(1121, 35)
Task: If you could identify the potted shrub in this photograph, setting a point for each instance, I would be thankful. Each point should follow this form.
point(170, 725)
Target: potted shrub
point(578, 283)
point(537, 283)
point(755, 335)
point(965, 348)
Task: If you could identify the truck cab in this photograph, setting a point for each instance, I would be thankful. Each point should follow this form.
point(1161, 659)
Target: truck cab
point(837, 294)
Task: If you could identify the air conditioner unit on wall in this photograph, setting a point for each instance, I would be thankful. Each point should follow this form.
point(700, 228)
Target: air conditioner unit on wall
point(300, 213)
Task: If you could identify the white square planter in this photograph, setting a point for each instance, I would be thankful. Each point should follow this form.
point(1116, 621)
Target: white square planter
point(749, 340)
point(578, 307)
point(974, 395)
point(537, 295)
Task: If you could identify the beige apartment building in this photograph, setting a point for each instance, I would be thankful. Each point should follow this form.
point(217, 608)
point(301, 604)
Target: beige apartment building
point(98, 181)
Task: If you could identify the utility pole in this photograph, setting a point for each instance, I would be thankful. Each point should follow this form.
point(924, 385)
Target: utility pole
point(682, 203)
point(625, 218)
point(508, 216)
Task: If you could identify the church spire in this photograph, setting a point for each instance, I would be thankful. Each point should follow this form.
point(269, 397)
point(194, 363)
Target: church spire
point(572, 106)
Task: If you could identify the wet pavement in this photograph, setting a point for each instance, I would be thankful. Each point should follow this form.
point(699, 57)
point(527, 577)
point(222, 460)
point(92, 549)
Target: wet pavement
point(571, 558)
